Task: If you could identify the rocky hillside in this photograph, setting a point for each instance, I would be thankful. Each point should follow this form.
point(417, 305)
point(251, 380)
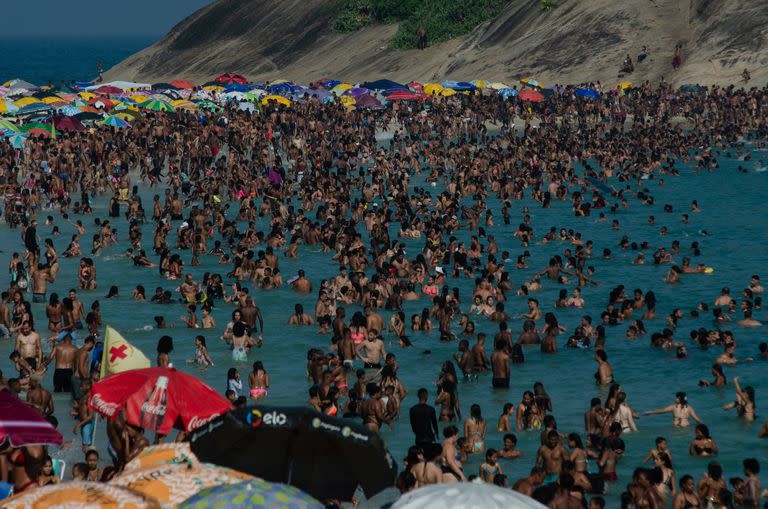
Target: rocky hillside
point(573, 42)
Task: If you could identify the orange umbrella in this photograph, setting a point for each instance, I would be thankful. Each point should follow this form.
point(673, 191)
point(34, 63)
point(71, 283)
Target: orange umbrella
point(182, 84)
point(531, 95)
point(83, 495)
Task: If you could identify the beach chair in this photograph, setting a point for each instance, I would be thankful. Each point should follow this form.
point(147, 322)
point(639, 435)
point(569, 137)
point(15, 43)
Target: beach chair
point(59, 467)
point(6, 490)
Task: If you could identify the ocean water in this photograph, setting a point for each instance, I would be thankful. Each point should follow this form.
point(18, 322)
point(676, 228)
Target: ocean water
point(735, 245)
point(41, 60)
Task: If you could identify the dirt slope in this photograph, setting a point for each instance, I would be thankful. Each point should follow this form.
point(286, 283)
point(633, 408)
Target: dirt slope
point(580, 40)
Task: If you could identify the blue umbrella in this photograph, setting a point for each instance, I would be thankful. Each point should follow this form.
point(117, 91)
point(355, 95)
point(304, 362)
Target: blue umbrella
point(69, 111)
point(238, 87)
point(255, 494)
point(508, 92)
point(587, 93)
point(17, 140)
point(34, 108)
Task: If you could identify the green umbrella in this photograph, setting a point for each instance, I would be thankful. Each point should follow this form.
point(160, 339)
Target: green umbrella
point(255, 494)
point(114, 121)
point(7, 124)
point(156, 105)
point(208, 105)
point(34, 125)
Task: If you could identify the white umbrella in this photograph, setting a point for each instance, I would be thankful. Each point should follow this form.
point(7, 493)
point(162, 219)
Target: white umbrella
point(466, 495)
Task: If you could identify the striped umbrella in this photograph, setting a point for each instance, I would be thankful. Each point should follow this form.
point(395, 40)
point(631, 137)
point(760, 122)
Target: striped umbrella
point(17, 140)
point(157, 105)
point(115, 121)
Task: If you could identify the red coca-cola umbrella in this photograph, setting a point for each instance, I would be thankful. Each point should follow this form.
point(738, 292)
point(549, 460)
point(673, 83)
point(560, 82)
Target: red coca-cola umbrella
point(158, 399)
point(21, 425)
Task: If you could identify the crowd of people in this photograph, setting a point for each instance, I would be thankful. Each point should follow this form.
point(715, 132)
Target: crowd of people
point(249, 188)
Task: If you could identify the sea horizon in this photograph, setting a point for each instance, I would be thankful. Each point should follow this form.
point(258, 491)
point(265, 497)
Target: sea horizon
point(57, 58)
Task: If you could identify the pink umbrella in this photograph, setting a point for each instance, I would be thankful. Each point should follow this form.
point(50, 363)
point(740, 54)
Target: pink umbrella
point(21, 425)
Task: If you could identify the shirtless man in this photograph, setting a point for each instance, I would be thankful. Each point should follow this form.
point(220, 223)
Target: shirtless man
point(82, 361)
point(29, 345)
point(372, 409)
point(64, 353)
point(302, 284)
point(373, 319)
point(604, 374)
point(551, 456)
point(189, 289)
point(464, 358)
point(78, 311)
point(41, 276)
point(374, 350)
point(724, 298)
point(250, 313)
point(39, 397)
point(479, 359)
point(85, 422)
point(748, 321)
point(534, 313)
point(500, 365)
point(526, 485)
point(563, 497)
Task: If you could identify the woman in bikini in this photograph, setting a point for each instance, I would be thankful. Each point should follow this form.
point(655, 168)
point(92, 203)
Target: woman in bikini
point(53, 311)
point(475, 429)
point(448, 401)
point(258, 381)
point(451, 464)
point(686, 498)
point(745, 401)
point(358, 328)
point(681, 411)
point(702, 445)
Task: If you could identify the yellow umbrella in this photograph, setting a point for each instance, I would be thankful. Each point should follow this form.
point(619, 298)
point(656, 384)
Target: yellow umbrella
point(82, 495)
point(278, 81)
point(138, 98)
point(52, 99)
point(278, 98)
point(447, 92)
point(87, 95)
point(433, 88)
point(347, 100)
point(8, 107)
point(498, 85)
point(340, 88)
point(624, 85)
point(127, 115)
point(531, 82)
point(184, 104)
point(24, 101)
point(479, 83)
point(162, 454)
point(214, 88)
point(173, 483)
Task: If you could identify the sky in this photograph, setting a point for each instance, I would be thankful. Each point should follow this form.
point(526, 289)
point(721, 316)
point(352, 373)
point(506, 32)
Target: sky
point(84, 18)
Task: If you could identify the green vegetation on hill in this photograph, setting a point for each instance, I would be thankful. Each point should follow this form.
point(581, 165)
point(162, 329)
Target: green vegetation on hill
point(442, 20)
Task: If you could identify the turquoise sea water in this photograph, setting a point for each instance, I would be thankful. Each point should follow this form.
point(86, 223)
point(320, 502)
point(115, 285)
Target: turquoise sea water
point(41, 60)
point(736, 246)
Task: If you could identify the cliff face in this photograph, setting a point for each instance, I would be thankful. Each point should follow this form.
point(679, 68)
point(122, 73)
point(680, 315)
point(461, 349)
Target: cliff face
point(574, 42)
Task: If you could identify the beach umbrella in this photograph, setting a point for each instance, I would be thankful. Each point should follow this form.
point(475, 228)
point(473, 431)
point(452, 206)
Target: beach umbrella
point(139, 98)
point(531, 82)
point(82, 495)
point(108, 90)
point(87, 115)
point(52, 99)
point(624, 85)
point(254, 95)
point(689, 89)
point(368, 102)
point(529, 94)
point(87, 95)
point(183, 104)
point(47, 133)
point(356, 92)
point(8, 125)
point(158, 399)
point(402, 95)
point(322, 455)
point(382, 84)
point(479, 83)
point(156, 105)
point(238, 87)
point(327, 83)
point(163, 86)
point(182, 84)
point(277, 98)
point(214, 88)
point(497, 85)
point(169, 453)
point(17, 140)
point(8, 107)
point(102, 103)
point(587, 93)
point(127, 115)
point(432, 88)
point(69, 124)
point(171, 484)
point(115, 121)
point(447, 92)
point(341, 88)
point(237, 96)
point(20, 424)
point(26, 101)
point(415, 86)
point(246, 107)
point(34, 108)
point(508, 92)
point(68, 110)
point(229, 78)
point(16, 86)
point(465, 495)
point(34, 125)
point(347, 100)
point(254, 494)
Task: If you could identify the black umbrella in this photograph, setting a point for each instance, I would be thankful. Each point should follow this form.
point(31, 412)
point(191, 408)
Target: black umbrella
point(323, 456)
point(163, 86)
point(87, 115)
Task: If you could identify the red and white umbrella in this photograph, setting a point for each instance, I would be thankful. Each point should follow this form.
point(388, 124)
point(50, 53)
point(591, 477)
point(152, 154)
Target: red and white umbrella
point(21, 425)
point(158, 399)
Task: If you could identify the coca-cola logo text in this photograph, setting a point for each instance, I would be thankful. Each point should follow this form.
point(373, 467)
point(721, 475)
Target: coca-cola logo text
point(196, 422)
point(103, 407)
point(153, 409)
